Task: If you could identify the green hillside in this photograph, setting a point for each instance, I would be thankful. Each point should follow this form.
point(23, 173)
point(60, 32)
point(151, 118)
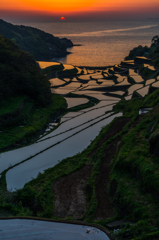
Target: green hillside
point(20, 74)
point(43, 46)
point(26, 102)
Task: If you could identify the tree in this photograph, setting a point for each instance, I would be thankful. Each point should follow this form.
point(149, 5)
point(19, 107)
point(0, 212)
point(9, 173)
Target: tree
point(20, 74)
point(155, 40)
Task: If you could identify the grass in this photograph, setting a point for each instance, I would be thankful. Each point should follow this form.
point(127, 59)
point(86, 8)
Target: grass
point(135, 176)
point(26, 130)
point(129, 108)
point(146, 72)
point(16, 113)
point(11, 105)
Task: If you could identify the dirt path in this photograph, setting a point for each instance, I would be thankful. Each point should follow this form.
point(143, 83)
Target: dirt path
point(69, 195)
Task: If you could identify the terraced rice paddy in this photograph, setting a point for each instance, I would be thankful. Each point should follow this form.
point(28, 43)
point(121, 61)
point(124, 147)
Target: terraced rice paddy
point(143, 91)
point(56, 82)
point(72, 102)
point(85, 77)
point(73, 85)
point(76, 129)
point(97, 76)
point(84, 71)
point(47, 64)
point(128, 97)
point(70, 144)
point(90, 71)
point(132, 73)
point(156, 84)
point(61, 91)
point(107, 83)
point(149, 67)
point(117, 92)
point(66, 79)
point(95, 94)
point(89, 87)
point(125, 82)
point(138, 79)
point(148, 82)
point(119, 78)
point(68, 67)
point(134, 87)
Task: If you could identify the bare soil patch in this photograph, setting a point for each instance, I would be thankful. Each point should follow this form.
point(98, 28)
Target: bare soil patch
point(104, 208)
point(69, 194)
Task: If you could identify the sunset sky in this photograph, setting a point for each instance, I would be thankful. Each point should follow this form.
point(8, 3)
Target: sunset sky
point(37, 8)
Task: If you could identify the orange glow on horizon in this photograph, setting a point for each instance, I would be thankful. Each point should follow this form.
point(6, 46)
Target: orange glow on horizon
point(70, 6)
point(47, 5)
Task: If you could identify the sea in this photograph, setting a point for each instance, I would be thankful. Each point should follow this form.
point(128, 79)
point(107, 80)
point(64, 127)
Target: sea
point(102, 42)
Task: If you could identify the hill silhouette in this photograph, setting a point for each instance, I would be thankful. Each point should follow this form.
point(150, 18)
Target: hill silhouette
point(20, 74)
point(43, 46)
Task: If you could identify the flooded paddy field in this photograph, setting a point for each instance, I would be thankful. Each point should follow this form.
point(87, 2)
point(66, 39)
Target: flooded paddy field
point(72, 102)
point(17, 229)
point(76, 129)
point(70, 135)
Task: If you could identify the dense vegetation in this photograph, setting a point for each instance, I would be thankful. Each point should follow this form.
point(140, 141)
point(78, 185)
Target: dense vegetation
point(137, 51)
point(26, 102)
point(149, 52)
point(43, 46)
point(20, 74)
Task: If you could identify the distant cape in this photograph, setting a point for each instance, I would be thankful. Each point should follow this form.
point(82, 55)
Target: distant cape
point(42, 45)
